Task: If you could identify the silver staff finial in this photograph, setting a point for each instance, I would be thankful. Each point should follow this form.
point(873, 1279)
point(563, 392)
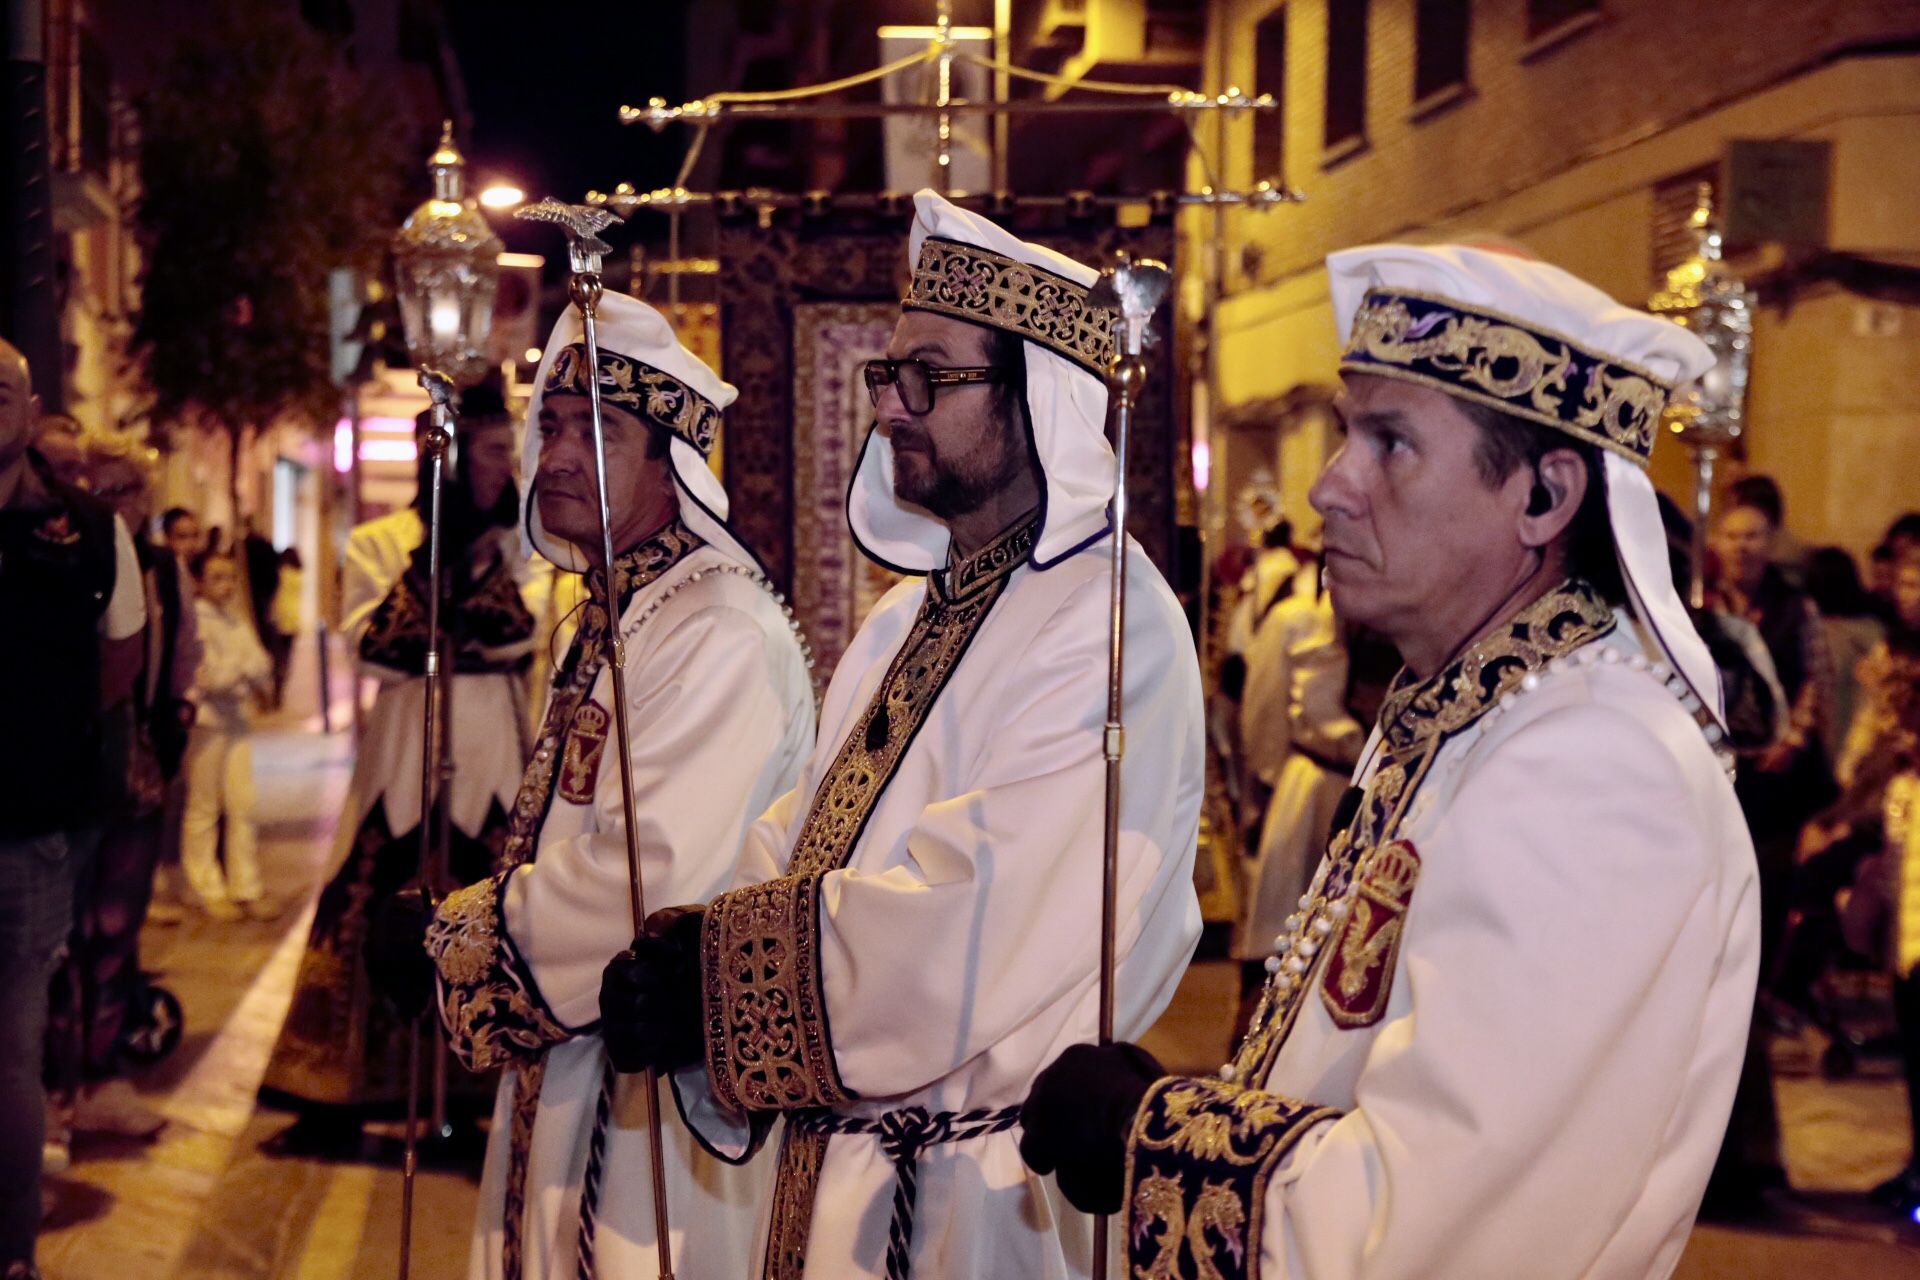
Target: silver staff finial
point(1134, 287)
point(583, 224)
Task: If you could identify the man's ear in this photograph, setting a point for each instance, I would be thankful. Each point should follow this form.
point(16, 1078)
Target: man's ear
point(1555, 492)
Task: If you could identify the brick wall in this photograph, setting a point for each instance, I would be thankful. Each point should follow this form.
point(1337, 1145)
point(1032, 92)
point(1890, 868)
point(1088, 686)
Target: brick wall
point(1645, 65)
point(1564, 147)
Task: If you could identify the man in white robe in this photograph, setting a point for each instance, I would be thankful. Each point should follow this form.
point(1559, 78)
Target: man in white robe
point(1504, 1026)
point(916, 930)
point(720, 707)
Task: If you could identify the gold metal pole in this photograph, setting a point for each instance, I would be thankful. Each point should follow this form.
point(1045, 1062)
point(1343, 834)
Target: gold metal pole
point(585, 250)
point(1134, 289)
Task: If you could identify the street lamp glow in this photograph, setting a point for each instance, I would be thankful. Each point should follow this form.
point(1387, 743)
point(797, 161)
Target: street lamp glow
point(533, 355)
point(501, 196)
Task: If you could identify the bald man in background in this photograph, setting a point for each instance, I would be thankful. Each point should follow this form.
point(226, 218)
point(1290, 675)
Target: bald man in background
point(72, 609)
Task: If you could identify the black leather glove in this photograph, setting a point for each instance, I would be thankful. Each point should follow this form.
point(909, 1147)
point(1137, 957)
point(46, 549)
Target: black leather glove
point(396, 953)
point(650, 1015)
point(1076, 1120)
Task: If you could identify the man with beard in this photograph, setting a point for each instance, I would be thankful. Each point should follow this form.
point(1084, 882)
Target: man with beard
point(916, 928)
point(341, 1055)
point(1503, 1028)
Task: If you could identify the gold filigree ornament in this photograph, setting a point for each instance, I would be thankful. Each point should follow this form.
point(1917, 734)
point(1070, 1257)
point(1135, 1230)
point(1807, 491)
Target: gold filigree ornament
point(1476, 354)
point(977, 284)
point(1199, 1157)
point(658, 397)
point(461, 938)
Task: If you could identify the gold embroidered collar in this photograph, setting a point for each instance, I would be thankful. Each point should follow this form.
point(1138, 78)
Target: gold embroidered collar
point(1006, 552)
point(634, 569)
point(1569, 616)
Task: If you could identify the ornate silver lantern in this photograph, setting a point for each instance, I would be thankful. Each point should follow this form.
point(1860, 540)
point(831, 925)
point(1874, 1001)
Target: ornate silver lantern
point(445, 260)
point(1705, 297)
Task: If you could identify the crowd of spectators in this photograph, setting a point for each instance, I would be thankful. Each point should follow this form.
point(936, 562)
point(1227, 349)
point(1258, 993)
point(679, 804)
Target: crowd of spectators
point(133, 653)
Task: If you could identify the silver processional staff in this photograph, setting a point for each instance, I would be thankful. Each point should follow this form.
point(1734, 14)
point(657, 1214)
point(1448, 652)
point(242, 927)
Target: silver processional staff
point(1134, 288)
point(585, 249)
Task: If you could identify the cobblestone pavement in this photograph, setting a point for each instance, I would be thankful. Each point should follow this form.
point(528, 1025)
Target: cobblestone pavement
point(204, 1203)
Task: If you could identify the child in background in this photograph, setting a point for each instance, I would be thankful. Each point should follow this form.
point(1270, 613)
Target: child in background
point(219, 764)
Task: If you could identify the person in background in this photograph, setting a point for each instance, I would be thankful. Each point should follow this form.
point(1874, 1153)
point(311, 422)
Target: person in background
point(341, 1057)
point(1880, 672)
point(220, 753)
point(1850, 627)
point(1903, 535)
point(58, 441)
point(96, 987)
point(260, 562)
point(285, 617)
point(1788, 554)
point(181, 530)
point(1314, 687)
point(1789, 781)
point(71, 614)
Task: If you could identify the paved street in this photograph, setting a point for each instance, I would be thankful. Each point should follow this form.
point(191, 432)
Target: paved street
point(204, 1203)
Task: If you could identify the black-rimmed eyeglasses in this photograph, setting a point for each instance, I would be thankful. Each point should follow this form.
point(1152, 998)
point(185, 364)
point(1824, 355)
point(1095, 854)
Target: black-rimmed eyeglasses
point(917, 380)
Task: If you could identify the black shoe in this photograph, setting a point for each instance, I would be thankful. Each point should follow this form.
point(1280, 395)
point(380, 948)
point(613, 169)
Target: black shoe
point(1899, 1194)
point(317, 1136)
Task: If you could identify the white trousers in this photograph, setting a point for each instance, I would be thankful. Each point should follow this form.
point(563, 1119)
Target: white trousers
point(219, 769)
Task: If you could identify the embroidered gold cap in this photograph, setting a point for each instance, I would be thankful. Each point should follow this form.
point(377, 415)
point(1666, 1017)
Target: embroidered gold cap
point(1514, 333)
point(977, 284)
point(659, 397)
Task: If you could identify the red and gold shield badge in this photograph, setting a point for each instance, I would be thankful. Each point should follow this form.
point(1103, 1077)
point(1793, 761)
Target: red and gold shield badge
point(586, 743)
point(1359, 970)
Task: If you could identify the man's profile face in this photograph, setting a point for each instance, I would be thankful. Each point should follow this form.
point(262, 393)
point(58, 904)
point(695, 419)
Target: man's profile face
point(58, 440)
point(1743, 540)
point(1410, 521)
point(486, 455)
point(184, 538)
point(965, 448)
point(564, 482)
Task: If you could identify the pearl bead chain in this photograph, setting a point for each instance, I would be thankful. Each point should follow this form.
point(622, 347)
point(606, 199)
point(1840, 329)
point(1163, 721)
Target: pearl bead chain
point(631, 630)
point(1303, 932)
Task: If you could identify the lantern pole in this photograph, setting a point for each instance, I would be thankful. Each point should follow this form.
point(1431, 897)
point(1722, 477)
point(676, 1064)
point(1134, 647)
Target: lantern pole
point(1704, 296)
point(446, 267)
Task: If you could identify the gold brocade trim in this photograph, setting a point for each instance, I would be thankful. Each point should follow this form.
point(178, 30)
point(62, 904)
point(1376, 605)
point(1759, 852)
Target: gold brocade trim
point(768, 1042)
point(489, 1004)
point(768, 1048)
point(1508, 364)
point(977, 284)
point(660, 398)
point(480, 619)
point(990, 563)
point(1199, 1157)
point(1553, 626)
point(790, 1218)
point(527, 1083)
point(633, 571)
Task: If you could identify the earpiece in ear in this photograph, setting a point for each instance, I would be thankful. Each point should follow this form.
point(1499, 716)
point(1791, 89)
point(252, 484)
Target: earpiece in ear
point(1539, 502)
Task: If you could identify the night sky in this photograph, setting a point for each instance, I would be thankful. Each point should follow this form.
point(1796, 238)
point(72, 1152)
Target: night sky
point(545, 84)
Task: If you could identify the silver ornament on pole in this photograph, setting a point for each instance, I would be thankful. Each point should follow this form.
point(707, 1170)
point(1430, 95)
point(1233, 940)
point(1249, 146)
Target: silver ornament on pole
point(1704, 296)
point(585, 251)
point(1134, 288)
point(446, 268)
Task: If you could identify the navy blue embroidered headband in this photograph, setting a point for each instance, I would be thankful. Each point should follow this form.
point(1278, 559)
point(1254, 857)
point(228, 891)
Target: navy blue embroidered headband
point(1507, 364)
